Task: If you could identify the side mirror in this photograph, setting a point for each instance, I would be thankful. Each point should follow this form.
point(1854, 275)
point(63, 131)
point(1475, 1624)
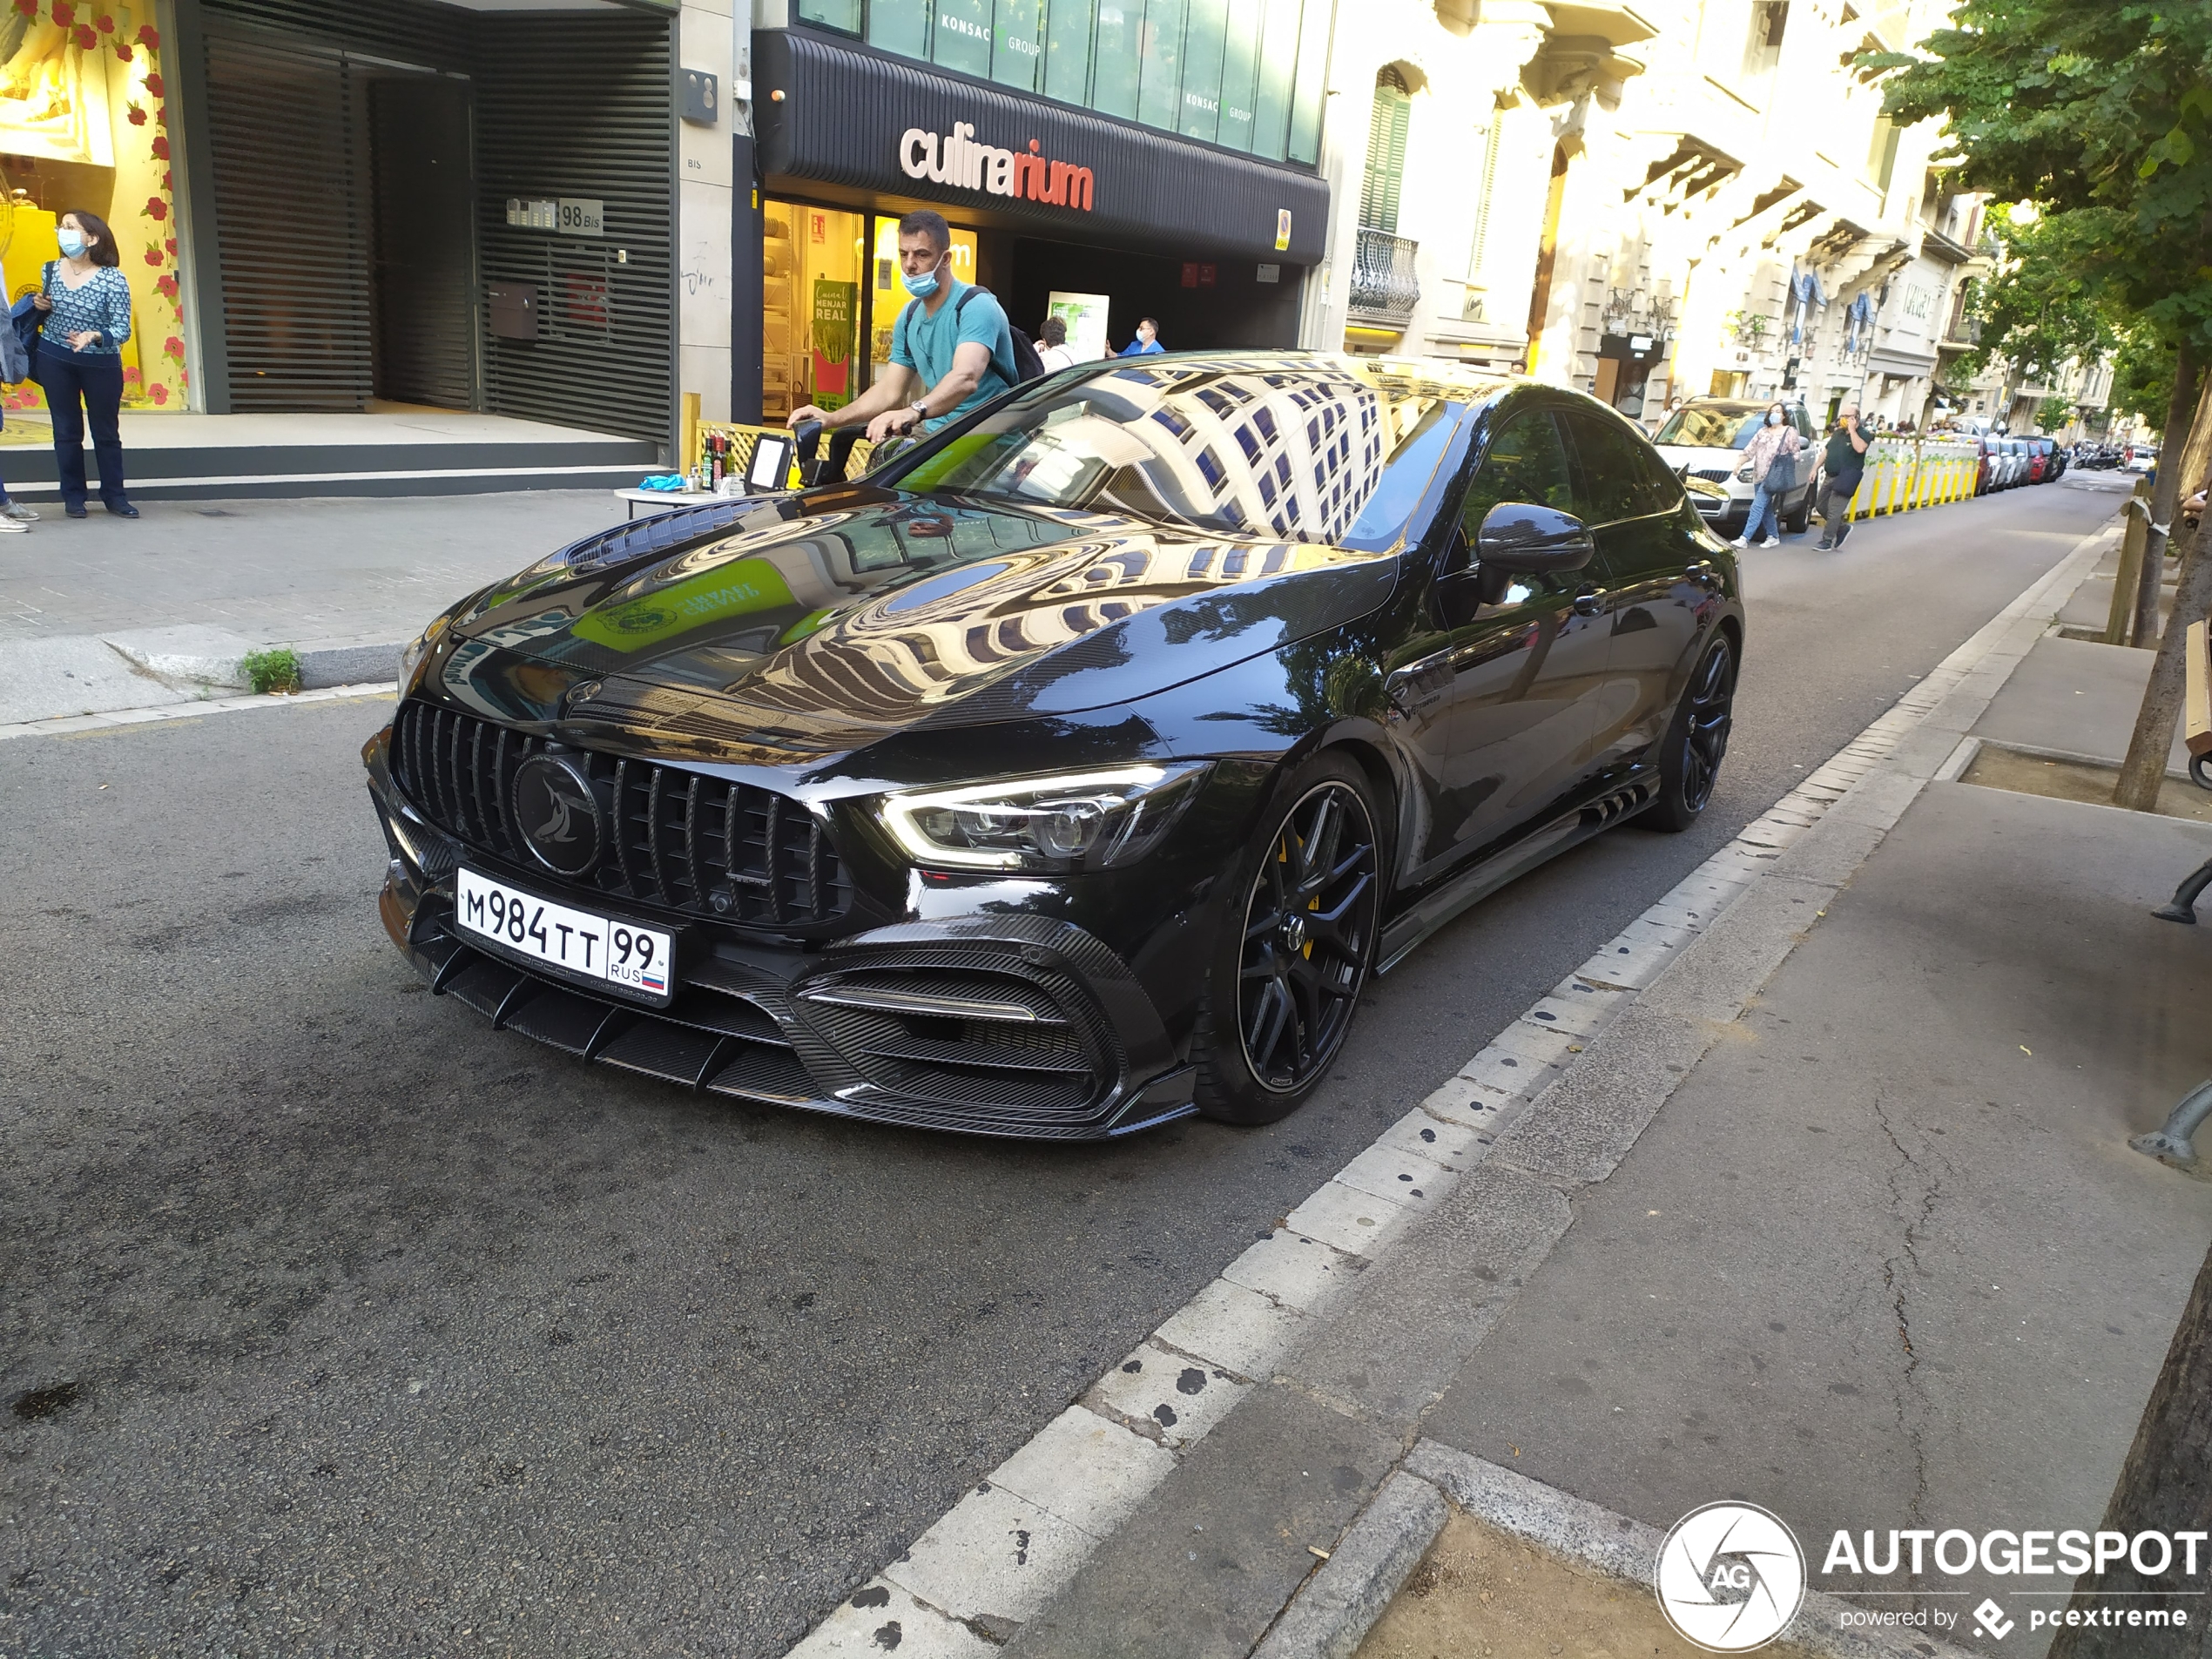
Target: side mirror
point(1522, 537)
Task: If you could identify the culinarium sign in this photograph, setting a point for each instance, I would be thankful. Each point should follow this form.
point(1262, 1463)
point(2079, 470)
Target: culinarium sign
point(957, 159)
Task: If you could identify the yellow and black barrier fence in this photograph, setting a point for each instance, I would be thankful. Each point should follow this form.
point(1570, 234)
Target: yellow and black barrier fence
point(1905, 473)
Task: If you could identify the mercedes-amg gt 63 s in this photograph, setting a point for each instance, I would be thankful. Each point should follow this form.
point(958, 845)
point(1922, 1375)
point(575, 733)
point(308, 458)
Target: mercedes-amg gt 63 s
point(1071, 772)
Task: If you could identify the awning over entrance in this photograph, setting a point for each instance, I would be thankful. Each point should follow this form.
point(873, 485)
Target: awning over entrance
point(844, 116)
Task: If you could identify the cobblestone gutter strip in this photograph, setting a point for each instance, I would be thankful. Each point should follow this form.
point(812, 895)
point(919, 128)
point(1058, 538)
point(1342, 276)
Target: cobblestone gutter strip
point(1329, 1286)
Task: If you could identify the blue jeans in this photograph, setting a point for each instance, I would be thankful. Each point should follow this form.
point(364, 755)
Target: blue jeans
point(1765, 510)
point(97, 378)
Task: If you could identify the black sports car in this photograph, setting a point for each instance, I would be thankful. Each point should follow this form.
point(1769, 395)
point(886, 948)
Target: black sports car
point(1071, 772)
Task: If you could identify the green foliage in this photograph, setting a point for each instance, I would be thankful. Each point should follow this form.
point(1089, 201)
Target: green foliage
point(2039, 308)
point(2142, 375)
point(2055, 413)
point(272, 671)
point(2101, 107)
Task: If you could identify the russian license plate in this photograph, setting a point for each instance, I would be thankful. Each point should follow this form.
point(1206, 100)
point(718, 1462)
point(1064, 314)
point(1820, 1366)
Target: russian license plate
point(599, 948)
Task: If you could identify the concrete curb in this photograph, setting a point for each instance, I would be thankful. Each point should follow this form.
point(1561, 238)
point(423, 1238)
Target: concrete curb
point(1348, 1594)
point(1585, 1535)
point(74, 725)
point(333, 665)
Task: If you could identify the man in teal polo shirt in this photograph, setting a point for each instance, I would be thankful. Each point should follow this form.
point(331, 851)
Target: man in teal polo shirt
point(951, 349)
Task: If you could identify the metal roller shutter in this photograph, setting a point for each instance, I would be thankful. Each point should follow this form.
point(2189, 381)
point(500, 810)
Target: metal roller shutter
point(295, 260)
point(579, 106)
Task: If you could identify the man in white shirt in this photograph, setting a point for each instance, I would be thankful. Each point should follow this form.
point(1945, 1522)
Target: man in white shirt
point(1053, 350)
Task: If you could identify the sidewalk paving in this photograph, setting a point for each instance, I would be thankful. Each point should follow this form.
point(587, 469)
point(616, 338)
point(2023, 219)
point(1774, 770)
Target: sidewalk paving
point(1839, 1217)
point(105, 613)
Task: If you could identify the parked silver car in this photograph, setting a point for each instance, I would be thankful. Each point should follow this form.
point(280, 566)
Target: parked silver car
point(1706, 438)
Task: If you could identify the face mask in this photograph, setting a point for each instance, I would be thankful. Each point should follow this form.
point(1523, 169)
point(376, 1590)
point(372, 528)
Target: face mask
point(1774, 418)
point(72, 244)
point(923, 285)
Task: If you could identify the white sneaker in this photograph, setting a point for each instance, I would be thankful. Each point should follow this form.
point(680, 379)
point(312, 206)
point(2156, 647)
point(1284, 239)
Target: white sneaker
point(1739, 542)
point(1772, 541)
point(12, 526)
point(17, 509)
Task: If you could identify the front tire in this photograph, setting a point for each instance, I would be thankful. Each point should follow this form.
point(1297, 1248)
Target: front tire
point(1295, 948)
point(1689, 758)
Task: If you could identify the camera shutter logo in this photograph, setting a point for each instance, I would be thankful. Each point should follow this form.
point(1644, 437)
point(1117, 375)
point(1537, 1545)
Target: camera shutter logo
point(1729, 1577)
point(557, 812)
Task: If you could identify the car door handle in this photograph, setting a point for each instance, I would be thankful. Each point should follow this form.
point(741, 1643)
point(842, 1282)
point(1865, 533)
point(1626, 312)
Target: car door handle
point(1588, 604)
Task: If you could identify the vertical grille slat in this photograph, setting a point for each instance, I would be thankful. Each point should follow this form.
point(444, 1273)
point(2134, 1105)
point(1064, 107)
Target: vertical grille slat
point(692, 838)
point(501, 787)
point(780, 862)
point(653, 835)
point(622, 825)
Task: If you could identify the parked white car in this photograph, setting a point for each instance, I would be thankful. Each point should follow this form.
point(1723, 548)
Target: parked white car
point(1705, 439)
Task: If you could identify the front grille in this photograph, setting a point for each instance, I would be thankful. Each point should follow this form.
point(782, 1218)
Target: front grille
point(1715, 476)
point(682, 840)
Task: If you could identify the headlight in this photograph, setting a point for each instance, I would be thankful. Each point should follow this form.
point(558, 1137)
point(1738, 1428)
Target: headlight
point(1076, 821)
point(1743, 475)
point(411, 659)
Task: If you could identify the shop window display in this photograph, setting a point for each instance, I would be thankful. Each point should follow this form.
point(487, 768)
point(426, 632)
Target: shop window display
point(811, 265)
point(85, 123)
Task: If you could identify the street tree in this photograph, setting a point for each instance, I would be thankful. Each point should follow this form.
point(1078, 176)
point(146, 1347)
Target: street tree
point(2103, 108)
point(2164, 1487)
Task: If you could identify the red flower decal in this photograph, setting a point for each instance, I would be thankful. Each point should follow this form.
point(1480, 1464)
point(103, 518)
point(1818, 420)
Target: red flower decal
point(157, 392)
point(105, 23)
point(149, 37)
point(174, 348)
point(123, 50)
point(87, 40)
point(168, 183)
point(165, 284)
point(172, 246)
point(153, 85)
point(65, 14)
point(28, 7)
point(137, 117)
point(161, 113)
point(160, 145)
point(133, 377)
point(156, 209)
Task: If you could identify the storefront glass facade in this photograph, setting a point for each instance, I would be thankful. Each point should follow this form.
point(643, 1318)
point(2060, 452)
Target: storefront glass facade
point(1247, 75)
point(84, 127)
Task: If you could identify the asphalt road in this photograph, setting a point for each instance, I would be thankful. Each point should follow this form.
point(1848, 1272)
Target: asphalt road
point(330, 1319)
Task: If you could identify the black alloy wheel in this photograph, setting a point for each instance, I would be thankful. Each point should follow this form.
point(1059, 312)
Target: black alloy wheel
point(1294, 970)
point(1690, 760)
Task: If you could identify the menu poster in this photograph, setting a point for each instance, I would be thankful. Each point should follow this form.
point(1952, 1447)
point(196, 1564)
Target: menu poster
point(836, 306)
point(1085, 315)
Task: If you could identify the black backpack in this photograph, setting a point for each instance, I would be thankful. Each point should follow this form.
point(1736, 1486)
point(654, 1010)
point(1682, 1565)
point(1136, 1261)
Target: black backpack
point(1028, 366)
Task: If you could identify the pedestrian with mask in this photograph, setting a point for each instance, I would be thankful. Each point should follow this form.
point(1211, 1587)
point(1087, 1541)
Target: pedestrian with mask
point(1053, 350)
point(87, 301)
point(951, 348)
point(1147, 341)
point(1846, 465)
point(1772, 457)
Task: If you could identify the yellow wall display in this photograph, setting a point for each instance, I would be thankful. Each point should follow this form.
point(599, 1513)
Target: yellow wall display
point(83, 88)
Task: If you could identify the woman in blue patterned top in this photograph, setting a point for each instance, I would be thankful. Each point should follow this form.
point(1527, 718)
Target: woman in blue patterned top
point(87, 301)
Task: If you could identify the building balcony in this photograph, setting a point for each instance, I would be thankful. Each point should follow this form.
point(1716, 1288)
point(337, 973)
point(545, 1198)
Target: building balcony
point(1384, 288)
point(1963, 334)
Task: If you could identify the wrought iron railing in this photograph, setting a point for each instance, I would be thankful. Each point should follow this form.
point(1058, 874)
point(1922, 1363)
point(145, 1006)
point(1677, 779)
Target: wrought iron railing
point(1384, 288)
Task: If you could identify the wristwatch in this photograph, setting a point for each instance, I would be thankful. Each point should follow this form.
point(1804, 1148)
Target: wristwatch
point(921, 408)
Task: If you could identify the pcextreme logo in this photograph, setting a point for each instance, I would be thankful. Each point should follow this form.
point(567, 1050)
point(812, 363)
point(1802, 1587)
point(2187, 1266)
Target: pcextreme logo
point(1729, 1577)
point(957, 159)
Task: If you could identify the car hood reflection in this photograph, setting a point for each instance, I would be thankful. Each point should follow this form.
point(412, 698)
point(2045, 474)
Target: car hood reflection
point(808, 632)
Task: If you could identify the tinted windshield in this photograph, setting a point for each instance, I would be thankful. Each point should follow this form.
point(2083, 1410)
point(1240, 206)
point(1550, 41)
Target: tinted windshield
point(1338, 453)
point(1707, 429)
